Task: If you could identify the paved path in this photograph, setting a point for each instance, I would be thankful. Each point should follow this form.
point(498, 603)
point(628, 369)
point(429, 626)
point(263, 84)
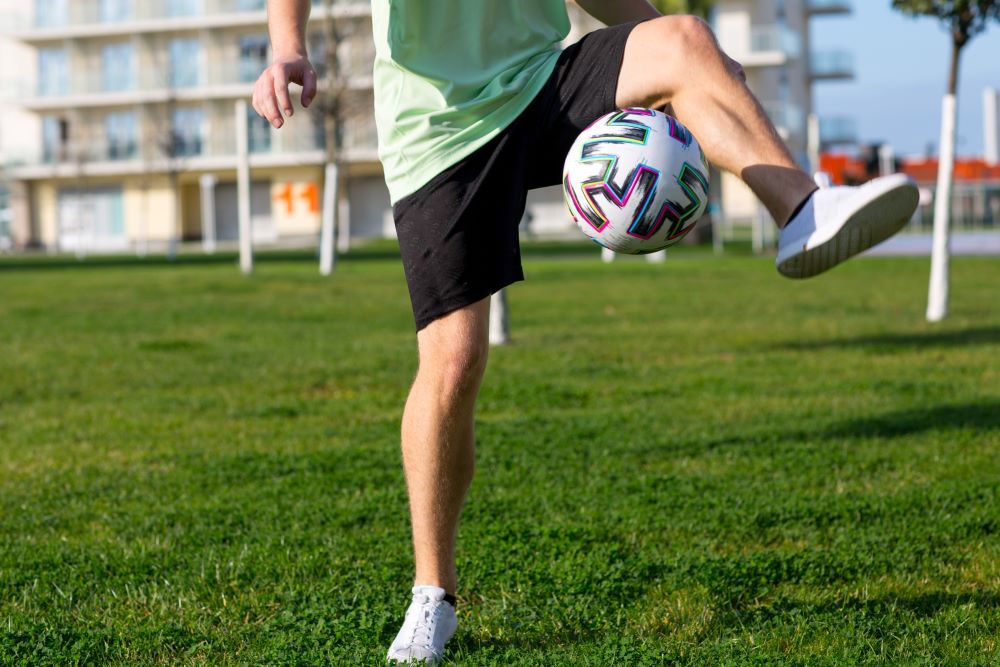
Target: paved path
point(973, 243)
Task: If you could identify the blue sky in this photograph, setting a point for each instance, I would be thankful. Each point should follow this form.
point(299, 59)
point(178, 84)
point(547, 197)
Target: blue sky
point(902, 71)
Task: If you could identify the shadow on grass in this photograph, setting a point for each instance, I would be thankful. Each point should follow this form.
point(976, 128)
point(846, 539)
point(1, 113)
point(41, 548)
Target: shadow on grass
point(979, 416)
point(902, 341)
point(925, 605)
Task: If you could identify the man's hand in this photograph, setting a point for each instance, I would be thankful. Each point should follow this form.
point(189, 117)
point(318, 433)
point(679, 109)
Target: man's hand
point(270, 94)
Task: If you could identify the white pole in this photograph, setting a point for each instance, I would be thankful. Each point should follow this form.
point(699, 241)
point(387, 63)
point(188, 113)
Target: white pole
point(757, 229)
point(499, 322)
point(328, 226)
point(344, 219)
point(886, 160)
point(991, 121)
point(243, 188)
point(207, 183)
point(658, 257)
point(813, 142)
point(937, 297)
point(607, 255)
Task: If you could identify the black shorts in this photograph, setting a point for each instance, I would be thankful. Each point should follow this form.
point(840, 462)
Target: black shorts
point(458, 234)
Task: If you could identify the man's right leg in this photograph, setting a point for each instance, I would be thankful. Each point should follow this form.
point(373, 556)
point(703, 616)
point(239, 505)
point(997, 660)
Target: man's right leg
point(438, 457)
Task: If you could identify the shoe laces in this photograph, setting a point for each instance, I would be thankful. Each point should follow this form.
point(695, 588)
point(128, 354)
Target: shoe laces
point(425, 623)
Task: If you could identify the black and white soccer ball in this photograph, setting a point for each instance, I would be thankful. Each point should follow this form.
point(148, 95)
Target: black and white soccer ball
point(636, 181)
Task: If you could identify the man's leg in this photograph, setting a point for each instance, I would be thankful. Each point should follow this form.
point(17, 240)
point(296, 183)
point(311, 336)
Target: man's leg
point(438, 434)
point(438, 457)
point(676, 60)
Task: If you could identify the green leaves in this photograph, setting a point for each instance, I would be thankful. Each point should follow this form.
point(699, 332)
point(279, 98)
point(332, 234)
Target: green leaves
point(698, 7)
point(964, 18)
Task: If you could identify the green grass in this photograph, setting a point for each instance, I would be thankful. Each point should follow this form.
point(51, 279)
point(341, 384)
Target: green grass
point(694, 463)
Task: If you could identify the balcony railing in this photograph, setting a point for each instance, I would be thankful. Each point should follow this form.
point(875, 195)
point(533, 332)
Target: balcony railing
point(94, 12)
point(831, 65)
point(217, 73)
point(838, 130)
point(817, 7)
point(784, 116)
point(775, 38)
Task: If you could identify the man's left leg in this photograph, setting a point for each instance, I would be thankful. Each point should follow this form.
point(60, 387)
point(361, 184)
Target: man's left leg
point(676, 60)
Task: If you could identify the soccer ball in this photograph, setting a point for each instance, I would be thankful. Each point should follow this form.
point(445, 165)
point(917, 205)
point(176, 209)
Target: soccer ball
point(636, 181)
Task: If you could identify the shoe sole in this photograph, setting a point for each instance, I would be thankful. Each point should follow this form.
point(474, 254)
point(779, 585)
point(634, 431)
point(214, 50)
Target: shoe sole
point(873, 223)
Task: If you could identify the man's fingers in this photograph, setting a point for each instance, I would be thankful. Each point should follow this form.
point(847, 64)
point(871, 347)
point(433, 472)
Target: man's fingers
point(281, 92)
point(308, 86)
point(267, 105)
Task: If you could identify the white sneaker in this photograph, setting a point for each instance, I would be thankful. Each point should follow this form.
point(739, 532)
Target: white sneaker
point(429, 624)
point(839, 222)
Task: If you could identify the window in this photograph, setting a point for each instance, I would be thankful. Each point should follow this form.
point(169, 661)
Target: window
point(50, 13)
point(253, 57)
point(118, 64)
point(120, 130)
point(55, 136)
point(53, 72)
point(183, 7)
point(114, 11)
point(185, 63)
point(250, 5)
point(91, 219)
point(259, 131)
point(187, 131)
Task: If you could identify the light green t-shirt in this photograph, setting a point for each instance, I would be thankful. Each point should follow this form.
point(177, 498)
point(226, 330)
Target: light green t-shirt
point(451, 74)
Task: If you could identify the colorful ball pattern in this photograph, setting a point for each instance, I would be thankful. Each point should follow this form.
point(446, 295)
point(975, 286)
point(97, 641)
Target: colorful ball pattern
point(636, 181)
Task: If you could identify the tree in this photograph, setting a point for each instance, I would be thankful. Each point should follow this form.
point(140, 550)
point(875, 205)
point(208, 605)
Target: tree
point(334, 108)
point(963, 19)
point(697, 7)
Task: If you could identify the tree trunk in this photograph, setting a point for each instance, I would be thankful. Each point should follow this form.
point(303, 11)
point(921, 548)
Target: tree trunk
point(937, 297)
point(331, 130)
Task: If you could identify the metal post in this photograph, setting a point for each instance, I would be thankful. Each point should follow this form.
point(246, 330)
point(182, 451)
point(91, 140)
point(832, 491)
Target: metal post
point(243, 188)
point(499, 322)
point(207, 183)
point(886, 160)
point(937, 296)
point(607, 255)
point(814, 142)
point(991, 126)
point(328, 228)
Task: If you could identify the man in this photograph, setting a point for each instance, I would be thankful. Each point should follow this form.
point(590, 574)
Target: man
point(475, 104)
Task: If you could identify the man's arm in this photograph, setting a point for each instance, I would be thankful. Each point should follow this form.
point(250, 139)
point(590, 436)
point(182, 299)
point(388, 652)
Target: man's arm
point(286, 24)
point(613, 12)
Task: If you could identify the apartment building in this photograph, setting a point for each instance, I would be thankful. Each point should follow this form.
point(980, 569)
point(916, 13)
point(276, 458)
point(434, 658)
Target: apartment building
point(771, 38)
point(126, 127)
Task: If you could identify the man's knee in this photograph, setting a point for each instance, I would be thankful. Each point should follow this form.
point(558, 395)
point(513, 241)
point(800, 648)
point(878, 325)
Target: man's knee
point(454, 350)
point(458, 368)
point(685, 34)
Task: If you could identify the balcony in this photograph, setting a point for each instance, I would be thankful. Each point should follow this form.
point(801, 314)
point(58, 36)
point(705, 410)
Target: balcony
point(214, 149)
point(831, 65)
point(788, 119)
point(220, 80)
point(828, 7)
point(90, 18)
point(837, 130)
point(769, 46)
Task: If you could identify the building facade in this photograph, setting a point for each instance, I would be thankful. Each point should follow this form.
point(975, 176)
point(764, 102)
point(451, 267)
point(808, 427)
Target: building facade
point(130, 110)
point(771, 38)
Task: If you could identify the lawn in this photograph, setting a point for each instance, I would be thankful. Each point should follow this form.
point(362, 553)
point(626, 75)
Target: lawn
point(692, 463)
